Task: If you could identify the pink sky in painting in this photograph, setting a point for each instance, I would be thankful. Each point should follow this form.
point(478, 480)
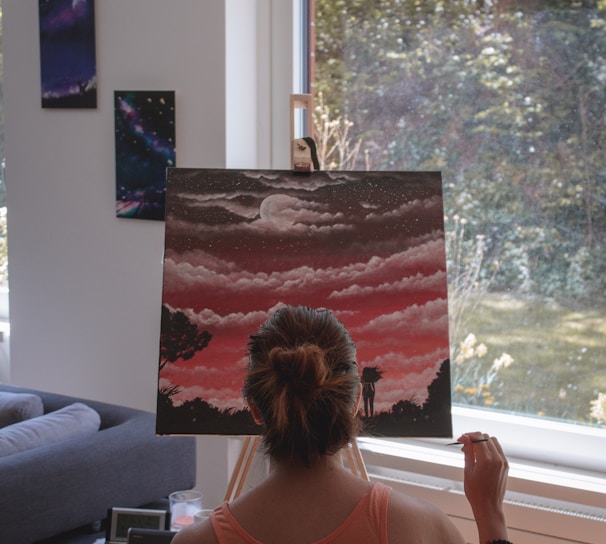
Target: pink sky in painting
point(368, 246)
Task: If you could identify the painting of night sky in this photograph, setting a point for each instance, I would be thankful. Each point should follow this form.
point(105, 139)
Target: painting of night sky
point(68, 69)
point(145, 148)
point(369, 246)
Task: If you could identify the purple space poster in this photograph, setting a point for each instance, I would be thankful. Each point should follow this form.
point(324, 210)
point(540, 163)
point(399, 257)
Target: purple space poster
point(145, 148)
point(68, 68)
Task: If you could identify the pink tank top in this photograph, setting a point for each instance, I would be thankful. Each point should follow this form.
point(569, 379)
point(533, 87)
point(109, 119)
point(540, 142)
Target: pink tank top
point(367, 523)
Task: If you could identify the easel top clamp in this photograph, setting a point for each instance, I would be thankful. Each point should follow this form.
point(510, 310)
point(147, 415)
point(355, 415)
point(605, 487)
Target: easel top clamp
point(303, 154)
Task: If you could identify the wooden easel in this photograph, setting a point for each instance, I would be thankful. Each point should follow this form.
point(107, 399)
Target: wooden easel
point(350, 455)
point(355, 461)
point(242, 468)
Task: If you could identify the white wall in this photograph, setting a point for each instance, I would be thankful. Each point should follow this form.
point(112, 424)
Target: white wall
point(85, 286)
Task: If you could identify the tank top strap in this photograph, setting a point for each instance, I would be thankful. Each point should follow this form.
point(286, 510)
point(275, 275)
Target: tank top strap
point(379, 502)
point(227, 529)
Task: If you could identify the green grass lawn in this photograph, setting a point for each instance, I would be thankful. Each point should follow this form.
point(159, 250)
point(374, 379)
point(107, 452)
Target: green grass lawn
point(559, 355)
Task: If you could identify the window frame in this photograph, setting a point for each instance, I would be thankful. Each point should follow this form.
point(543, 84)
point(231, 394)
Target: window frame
point(572, 448)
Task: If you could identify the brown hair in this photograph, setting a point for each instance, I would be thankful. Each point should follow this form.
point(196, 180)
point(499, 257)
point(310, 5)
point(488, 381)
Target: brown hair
point(303, 379)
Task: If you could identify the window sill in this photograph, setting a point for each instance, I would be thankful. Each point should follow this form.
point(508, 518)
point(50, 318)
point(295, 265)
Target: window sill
point(543, 505)
point(548, 460)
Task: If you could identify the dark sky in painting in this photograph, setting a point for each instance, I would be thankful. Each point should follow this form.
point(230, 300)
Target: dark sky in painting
point(67, 53)
point(145, 148)
point(368, 246)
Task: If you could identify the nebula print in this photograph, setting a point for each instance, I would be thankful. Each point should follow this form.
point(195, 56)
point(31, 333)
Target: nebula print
point(367, 245)
point(145, 148)
point(68, 64)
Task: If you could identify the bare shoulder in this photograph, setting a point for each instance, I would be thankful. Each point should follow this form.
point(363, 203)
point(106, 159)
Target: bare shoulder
point(199, 533)
point(408, 516)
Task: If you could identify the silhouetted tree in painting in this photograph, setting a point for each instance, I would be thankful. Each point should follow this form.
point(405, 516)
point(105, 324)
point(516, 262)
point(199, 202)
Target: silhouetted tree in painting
point(437, 407)
point(197, 416)
point(179, 337)
point(165, 395)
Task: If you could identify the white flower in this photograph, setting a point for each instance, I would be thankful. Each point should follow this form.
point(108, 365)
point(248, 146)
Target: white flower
point(481, 350)
point(467, 351)
point(504, 361)
point(598, 408)
point(469, 341)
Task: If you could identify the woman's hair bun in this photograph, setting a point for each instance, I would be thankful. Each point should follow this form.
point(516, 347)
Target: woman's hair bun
point(303, 381)
point(301, 370)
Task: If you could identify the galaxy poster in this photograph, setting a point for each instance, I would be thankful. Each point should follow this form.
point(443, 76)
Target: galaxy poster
point(145, 148)
point(68, 68)
point(367, 245)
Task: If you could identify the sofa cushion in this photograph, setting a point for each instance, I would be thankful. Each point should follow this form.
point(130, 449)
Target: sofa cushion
point(72, 420)
point(16, 407)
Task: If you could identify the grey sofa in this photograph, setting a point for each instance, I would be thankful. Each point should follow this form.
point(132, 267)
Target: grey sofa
point(52, 489)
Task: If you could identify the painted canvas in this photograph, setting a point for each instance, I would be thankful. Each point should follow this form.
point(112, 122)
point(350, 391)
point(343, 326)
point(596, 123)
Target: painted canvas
point(145, 148)
point(68, 66)
point(367, 245)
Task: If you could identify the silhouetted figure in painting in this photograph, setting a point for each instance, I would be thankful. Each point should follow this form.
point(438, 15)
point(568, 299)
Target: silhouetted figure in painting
point(370, 376)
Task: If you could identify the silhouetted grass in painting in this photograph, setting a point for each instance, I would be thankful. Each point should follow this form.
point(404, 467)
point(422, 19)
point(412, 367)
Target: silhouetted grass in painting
point(406, 418)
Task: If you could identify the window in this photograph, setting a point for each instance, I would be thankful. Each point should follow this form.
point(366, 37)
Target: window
point(507, 99)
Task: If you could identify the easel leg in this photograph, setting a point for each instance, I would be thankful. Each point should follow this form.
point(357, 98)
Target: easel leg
point(355, 460)
point(242, 468)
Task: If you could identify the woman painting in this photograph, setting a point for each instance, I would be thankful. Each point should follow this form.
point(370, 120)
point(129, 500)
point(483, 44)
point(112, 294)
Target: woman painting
point(303, 387)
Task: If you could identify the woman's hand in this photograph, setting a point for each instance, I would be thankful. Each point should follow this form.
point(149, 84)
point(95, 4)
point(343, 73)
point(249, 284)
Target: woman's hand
point(485, 483)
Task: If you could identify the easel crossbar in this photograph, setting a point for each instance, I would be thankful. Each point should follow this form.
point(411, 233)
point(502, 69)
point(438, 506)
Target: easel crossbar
point(351, 452)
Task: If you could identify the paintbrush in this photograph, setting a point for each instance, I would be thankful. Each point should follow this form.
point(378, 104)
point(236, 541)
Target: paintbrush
point(473, 442)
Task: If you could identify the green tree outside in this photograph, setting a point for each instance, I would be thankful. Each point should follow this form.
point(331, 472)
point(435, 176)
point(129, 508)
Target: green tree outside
point(508, 100)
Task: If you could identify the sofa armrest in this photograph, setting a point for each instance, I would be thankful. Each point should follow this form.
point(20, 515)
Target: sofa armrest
point(51, 489)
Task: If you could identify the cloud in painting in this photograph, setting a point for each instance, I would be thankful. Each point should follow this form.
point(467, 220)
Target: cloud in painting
point(209, 319)
point(200, 270)
point(430, 318)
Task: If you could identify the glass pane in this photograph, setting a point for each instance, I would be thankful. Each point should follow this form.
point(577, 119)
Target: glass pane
point(507, 99)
